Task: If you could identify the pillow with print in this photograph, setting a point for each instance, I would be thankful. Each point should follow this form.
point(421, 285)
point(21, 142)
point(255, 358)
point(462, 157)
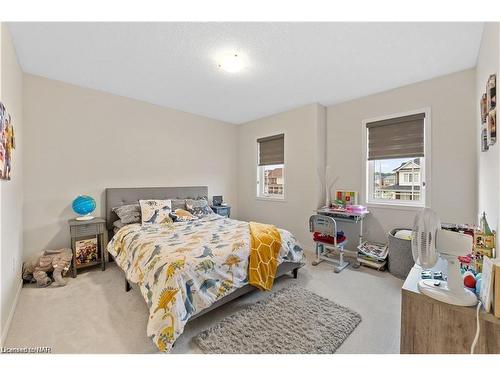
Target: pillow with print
point(183, 215)
point(155, 211)
point(198, 207)
point(178, 204)
point(128, 213)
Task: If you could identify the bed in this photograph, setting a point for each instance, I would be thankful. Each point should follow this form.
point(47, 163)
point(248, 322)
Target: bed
point(186, 269)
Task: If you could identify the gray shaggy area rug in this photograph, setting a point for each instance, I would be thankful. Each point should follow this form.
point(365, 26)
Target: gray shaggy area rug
point(292, 320)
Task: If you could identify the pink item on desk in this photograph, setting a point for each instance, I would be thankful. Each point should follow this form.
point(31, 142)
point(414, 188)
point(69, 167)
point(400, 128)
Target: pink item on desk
point(356, 208)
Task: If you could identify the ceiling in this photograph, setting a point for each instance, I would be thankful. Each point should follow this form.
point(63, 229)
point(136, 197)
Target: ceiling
point(289, 64)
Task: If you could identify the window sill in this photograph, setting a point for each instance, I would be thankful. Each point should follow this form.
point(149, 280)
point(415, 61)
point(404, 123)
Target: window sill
point(393, 206)
point(270, 199)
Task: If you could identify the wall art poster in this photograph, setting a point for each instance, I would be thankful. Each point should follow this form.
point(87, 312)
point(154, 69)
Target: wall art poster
point(491, 91)
point(7, 143)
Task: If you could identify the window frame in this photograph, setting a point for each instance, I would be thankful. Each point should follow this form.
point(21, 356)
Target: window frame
point(259, 176)
point(425, 168)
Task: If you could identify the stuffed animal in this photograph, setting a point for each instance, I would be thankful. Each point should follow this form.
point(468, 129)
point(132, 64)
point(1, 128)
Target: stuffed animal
point(55, 261)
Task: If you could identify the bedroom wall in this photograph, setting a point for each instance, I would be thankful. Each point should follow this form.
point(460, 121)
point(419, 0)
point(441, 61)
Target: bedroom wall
point(11, 192)
point(304, 130)
point(488, 175)
point(453, 116)
point(80, 141)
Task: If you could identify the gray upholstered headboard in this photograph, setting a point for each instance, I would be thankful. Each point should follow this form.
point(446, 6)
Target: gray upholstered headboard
point(119, 196)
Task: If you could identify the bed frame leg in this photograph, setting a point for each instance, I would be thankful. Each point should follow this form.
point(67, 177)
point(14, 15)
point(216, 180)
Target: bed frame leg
point(295, 273)
point(127, 285)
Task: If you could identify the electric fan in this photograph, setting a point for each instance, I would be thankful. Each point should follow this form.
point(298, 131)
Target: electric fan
point(429, 241)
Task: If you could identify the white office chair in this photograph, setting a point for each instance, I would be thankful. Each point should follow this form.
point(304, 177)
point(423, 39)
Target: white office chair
point(325, 238)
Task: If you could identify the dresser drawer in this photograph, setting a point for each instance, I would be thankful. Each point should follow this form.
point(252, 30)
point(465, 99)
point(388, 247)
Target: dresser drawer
point(86, 230)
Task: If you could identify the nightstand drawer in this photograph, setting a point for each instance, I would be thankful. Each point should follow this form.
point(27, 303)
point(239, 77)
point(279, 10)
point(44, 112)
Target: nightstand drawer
point(85, 230)
point(222, 210)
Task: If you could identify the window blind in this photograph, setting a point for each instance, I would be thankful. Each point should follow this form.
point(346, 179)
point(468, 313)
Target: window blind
point(272, 150)
point(398, 137)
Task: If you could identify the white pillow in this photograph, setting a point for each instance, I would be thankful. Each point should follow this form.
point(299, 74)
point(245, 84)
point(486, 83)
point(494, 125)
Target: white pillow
point(154, 211)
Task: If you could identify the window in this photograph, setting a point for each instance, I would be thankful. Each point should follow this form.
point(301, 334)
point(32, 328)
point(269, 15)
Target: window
point(395, 161)
point(271, 167)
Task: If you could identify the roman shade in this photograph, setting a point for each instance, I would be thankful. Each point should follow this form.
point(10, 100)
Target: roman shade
point(272, 150)
point(398, 137)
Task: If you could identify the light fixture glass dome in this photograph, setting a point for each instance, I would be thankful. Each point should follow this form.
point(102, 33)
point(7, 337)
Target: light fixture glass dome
point(232, 62)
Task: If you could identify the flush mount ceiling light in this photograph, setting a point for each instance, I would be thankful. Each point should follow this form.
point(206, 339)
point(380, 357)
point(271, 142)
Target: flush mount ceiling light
point(231, 62)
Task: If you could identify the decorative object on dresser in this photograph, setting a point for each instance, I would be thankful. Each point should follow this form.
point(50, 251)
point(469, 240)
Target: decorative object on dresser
point(84, 205)
point(222, 210)
point(88, 242)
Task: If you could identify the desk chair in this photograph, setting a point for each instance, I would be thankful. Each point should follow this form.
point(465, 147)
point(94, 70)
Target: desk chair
point(329, 244)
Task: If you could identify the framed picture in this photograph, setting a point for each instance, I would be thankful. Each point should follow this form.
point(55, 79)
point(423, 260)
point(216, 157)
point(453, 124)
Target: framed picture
point(488, 104)
point(217, 200)
point(492, 127)
point(484, 138)
point(7, 143)
point(347, 197)
point(491, 92)
point(484, 108)
point(86, 251)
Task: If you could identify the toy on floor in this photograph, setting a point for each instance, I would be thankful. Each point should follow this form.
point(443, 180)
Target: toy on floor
point(329, 242)
point(55, 261)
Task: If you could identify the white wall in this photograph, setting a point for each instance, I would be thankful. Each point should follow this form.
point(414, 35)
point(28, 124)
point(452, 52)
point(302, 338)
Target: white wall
point(452, 101)
point(487, 162)
point(80, 141)
point(11, 196)
point(305, 131)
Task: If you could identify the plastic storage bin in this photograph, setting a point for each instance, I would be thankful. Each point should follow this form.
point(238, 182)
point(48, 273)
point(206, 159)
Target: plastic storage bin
point(399, 254)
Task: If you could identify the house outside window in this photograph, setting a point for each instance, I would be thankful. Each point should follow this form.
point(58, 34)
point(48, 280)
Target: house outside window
point(271, 167)
point(396, 160)
point(399, 183)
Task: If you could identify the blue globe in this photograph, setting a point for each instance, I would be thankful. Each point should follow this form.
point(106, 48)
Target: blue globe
point(83, 205)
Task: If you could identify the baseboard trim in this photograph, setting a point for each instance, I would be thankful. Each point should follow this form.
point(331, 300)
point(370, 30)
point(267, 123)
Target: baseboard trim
point(5, 329)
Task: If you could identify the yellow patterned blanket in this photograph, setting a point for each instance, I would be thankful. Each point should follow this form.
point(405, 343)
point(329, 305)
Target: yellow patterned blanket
point(185, 267)
point(265, 245)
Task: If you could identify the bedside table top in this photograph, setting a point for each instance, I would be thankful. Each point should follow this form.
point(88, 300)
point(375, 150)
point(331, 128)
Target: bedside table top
point(227, 206)
point(95, 220)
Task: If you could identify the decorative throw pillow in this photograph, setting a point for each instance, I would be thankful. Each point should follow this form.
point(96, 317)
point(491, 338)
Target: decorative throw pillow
point(178, 204)
point(155, 211)
point(198, 207)
point(183, 215)
point(129, 213)
point(118, 224)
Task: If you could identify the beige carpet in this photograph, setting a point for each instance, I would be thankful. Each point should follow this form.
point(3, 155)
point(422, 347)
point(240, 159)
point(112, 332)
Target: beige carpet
point(93, 314)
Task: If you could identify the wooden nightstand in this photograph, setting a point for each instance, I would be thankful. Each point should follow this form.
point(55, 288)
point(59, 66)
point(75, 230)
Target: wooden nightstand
point(85, 229)
point(222, 210)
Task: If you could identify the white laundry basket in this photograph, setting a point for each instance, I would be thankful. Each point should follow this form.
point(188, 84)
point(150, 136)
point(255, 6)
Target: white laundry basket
point(399, 254)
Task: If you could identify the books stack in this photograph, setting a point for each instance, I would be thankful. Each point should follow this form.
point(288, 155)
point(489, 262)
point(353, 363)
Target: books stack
point(373, 254)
